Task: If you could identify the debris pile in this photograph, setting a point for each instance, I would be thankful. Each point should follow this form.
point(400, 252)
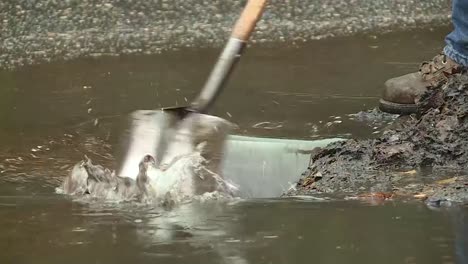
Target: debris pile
point(432, 143)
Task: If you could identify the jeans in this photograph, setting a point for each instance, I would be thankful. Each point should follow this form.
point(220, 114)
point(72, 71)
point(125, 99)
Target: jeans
point(460, 220)
point(457, 41)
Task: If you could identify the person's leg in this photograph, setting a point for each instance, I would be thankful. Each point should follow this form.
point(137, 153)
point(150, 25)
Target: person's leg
point(400, 93)
point(457, 40)
point(460, 224)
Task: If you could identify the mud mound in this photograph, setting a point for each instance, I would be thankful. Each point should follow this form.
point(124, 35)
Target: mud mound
point(434, 139)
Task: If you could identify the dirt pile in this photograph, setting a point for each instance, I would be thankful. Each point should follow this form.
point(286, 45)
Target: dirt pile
point(410, 157)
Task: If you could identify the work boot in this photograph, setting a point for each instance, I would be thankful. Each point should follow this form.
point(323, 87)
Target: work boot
point(400, 93)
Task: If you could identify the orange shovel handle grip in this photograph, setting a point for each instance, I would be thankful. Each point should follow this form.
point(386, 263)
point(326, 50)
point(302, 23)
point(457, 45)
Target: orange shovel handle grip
point(246, 23)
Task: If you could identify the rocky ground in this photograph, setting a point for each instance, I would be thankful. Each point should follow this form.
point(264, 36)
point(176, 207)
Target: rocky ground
point(37, 31)
point(424, 155)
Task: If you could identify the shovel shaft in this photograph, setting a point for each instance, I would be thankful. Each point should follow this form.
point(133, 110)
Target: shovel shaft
point(230, 56)
point(248, 19)
point(174, 130)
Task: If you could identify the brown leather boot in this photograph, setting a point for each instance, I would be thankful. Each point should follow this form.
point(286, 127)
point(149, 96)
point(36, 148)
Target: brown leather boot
point(400, 93)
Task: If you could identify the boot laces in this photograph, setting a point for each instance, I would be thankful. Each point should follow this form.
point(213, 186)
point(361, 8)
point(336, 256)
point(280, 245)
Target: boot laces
point(434, 65)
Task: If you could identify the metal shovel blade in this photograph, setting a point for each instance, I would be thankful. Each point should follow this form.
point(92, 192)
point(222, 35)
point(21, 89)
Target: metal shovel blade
point(152, 132)
point(166, 137)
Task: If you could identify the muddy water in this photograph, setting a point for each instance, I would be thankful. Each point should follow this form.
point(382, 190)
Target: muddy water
point(50, 229)
point(281, 91)
point(51, 115)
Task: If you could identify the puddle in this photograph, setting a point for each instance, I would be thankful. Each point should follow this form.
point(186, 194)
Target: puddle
point(257, 231)
point(53, 114)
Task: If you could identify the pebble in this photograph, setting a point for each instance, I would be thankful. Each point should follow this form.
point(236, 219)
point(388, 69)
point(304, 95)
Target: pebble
point(38, 31)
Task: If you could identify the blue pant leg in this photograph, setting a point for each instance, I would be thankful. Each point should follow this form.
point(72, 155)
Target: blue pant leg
point(457, 41)
point(460, 217)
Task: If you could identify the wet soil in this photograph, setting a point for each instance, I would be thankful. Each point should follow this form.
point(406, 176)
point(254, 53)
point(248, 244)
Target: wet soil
point(431, 145)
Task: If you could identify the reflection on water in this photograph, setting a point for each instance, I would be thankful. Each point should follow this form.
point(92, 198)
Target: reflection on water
point(294, 92)
point(48, 229)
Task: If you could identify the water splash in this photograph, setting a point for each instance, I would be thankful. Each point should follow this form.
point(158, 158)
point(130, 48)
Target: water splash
point(188, 178)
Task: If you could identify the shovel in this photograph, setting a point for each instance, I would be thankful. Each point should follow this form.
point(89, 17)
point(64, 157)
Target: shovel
point(182, 128)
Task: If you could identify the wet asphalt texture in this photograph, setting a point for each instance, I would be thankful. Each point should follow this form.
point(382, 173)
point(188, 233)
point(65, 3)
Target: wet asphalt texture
point(37, 31)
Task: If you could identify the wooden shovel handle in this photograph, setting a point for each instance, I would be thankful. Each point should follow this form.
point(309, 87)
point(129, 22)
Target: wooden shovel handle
point(248, 19)
point(229, 57)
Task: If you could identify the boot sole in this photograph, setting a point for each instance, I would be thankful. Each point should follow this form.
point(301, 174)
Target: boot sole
point(395, 108)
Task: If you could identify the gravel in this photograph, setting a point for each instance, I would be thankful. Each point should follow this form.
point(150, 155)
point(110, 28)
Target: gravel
point(38, 31)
